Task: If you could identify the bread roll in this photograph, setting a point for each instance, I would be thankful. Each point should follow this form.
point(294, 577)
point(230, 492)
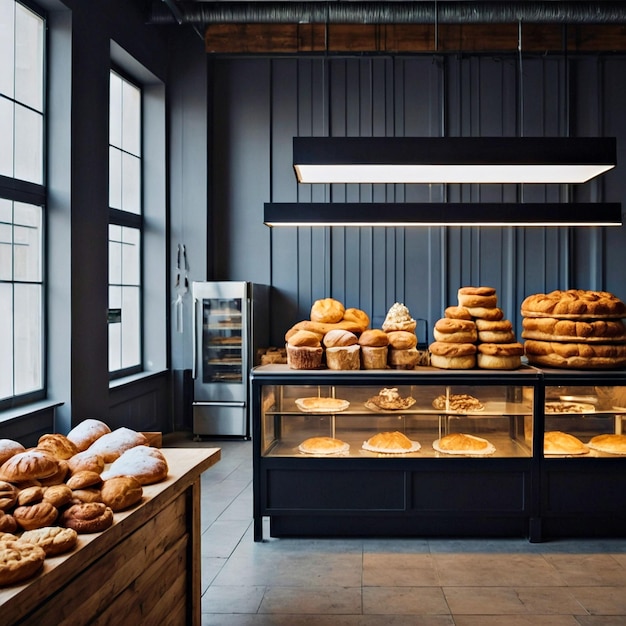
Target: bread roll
point(374, 337)
point(121, 492)
point(576, 303)
point(8, 495)
point(84, 479)
point(455, 331)
point(487, 313)
point(293, 330)
point(35, 515)
point(19, 561)
point(8, 448)
point(30, 495)
point(494, 325)
point(496, 336)
point(86, 432)
point(457, 313)
point(322, 328)
point(357, 316)
point(391, 443)
point(88, 517)
point(52, 539)
point(575, 355)
point(28, 465)
point(444, 348)
point(323, 445)
point(558, 442)
point(148, 465)
point(573, 330)
point(86, 460)
point(58, 477)
point(344, 357)
point(338, 338)
point(57, 495)
point(465, 362)
point(304, 338)
point(58, 445)
point(111, 445)
point(477, 297)
point(402, 339)
point(327, 310)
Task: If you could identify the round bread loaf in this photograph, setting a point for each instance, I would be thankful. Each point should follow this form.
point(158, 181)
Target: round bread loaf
point(576, 303)
point(148, 465)
point(323, 445)
point(86, 432)
point(304, 338)
point(609, 443)
point(327, 310)
point(28, 465)
point(52, 539)
point(8, 448)
point(447, 349)
point(357, 316)
point(7, 523)
point(84, 479)
point(111, 445)
point(88, 517)
point(35, 515)
point(457, 313)
point(30, 495)
point(496, 336)
point(477, 297)
point(455, 331)
point(19, 561)
point(86, 460)
point(121, 492)
point(338, 338)
point(402, 339)
point(573, 330)
point(495, 325)
point(58, 477)
point(476, 291)
point(59, 446)
point(575, 355)
point(8, 495)
point(465, 362)
point(374, 337)
point(89, 494)
point(57, 495)
point(486, 313)
point(500, 356)
point(558, 442)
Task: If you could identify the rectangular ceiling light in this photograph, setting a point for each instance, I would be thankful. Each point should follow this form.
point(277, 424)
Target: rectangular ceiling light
point(452, 159)
point(442, 214)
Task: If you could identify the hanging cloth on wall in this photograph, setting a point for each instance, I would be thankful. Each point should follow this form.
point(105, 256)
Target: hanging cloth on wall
point(182, 285)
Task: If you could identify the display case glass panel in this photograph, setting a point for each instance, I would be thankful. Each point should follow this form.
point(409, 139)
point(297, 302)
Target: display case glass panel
point(500, 415)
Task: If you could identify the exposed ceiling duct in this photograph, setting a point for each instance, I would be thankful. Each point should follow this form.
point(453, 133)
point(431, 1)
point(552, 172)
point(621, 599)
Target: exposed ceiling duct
point(375, 12)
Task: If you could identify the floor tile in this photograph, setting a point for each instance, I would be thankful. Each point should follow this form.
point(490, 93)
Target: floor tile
point(588, 569)
point(232, 599)
point(401, 570)
point(312, 600)
point(515, 620)
point(602, 600)
point(404, 600)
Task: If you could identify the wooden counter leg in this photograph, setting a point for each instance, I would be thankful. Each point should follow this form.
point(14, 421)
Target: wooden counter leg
point(195, 574)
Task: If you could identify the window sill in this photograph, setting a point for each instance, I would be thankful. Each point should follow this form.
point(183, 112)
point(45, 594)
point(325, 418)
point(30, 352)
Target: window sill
point(133, 378)
point(27, 410)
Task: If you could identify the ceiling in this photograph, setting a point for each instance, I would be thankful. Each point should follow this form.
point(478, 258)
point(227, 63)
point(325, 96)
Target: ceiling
point(399, 26)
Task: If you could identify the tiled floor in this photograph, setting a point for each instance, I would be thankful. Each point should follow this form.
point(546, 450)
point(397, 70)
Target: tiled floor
point(417, 582)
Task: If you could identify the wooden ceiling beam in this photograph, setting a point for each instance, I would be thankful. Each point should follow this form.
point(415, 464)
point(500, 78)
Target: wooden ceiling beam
point(412, 38)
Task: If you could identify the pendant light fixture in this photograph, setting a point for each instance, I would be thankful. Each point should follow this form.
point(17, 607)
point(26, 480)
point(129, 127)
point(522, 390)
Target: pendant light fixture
point(452, 159)
point(442, 214)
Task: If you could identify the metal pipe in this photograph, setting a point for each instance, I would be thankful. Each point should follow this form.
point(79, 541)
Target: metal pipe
point(393, 12)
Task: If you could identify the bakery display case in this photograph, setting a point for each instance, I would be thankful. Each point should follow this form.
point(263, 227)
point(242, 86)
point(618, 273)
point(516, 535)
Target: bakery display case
point(583, 472)
point(393, 452)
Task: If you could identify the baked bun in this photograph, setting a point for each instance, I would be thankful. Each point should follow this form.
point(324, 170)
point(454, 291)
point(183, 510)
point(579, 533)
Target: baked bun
point(304, 338)
point(455, 331)
point(577, 303)
point(402, 339)
point(111, 445)
point(445, 355)
point(486, 313)
point(8, 448)
point(399, 318)
point(121, 492)
point(470, 297)
point(7, 523)
point(557, 442)
point(57, 495)
point(148, 465)
point(59, 446)
point(403, 359)
point(293, 330)
point(30, 495)
point(327, 310)
point(611, 444)
point(19, 561)
point(357, 316)
point(84, 479)
point(58, 477)
point(344, 357)
point(391, 443)
point(500, 356)
point(496, 336)
point(457, 313)
point(575, 355)
point(573, 330)
point(28, 465)
point(339, 338)
point(88, 517)
point(52, 539)
point(89, 494)
point(321, 328)
point(86, 432)
point(494, 325)
point(323, 445)
point(37, 515)
point(375, 338)
point(466, 362)
point(461, 443)
point(8, 495)
point(86, 460)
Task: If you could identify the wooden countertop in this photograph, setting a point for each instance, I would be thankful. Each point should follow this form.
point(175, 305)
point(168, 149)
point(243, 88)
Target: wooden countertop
point(185, 466)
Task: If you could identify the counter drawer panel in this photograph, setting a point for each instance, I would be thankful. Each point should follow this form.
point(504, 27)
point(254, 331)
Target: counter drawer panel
point(343, 490)
point(585, 491)
point(469, 491)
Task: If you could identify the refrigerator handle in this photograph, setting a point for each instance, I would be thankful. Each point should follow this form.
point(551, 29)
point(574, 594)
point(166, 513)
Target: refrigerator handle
point(194, 338)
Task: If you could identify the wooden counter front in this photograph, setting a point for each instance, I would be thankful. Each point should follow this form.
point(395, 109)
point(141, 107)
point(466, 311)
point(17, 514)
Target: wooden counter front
point(145, 569)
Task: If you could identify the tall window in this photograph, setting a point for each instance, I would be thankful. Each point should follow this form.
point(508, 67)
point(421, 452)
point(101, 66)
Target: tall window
point(125, 226)
point(22, 203)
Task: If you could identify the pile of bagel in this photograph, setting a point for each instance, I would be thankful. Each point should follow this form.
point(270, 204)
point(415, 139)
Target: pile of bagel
point(340, 338)
point(475, 333)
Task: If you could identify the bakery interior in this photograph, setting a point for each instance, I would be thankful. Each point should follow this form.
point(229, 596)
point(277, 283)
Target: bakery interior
point(272, 534)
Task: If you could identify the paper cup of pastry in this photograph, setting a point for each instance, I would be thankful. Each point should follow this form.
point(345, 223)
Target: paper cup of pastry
point(463, 444)
point(391, 443)
point(403, 359)
point(374, 347)
point(399, 318)
point(342, 350)
point(459, 356)
point(304, 351)
point(323, 445)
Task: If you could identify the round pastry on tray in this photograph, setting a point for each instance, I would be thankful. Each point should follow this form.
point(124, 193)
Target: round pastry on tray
point(389, 399)
point(557, 442)
point(391, 443)
point(321, 405)
point(462, 443)
point(612, 444)
point(323, 445)
point(459, 402)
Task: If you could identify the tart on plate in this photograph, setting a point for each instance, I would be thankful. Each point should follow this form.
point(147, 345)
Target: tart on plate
point(462, 443)
point(391, 443)
point(323, 445)
point(321, 405)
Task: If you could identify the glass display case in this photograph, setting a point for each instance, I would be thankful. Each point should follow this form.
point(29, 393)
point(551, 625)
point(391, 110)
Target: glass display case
point(394, 452)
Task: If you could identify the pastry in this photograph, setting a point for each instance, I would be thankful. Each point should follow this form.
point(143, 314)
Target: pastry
point(472, 297)
point(7, 523)
point(148, 465)
point(569, 407)
point(403, 359)
point(111, 445)
point(84, 479)
point(88, 517)
point(321, 405)
point(58, 445)
point(8, 448)
point(19, 561)
point(399, 318)
point(30, 495)
point(569, 330)
point(459, 402)
point(612, 444)
point(448, 330)
point(323, 445)
point(52, 539)
point(575, 355)
point(446, 355)
point(304, 351)
point(8, 495)
point(390, 400)
point(391, 443)
point(327, 310)
point(35, 515)
point(86, 432)
point(58, 477)
point(401, 339)
point(486, 313)
point(28, 465)
point(339, 338)
point(576, 303)
point(321, 328)
point(495, 331)
point(557, 442)
point(461, 443)
point(89, 494)
point(500, 356)
point(57, 495)
point(357, 316)
point(374, 349)
point(121, 492)
point(457, 313)
point(86, 460)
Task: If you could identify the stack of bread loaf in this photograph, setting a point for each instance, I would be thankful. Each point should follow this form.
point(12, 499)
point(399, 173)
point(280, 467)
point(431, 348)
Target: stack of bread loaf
point(400, 329)
point(65, 486)
point(575, 329)
point(475, 333)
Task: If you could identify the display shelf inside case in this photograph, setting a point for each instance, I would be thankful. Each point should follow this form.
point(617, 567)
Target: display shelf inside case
point(222, 340)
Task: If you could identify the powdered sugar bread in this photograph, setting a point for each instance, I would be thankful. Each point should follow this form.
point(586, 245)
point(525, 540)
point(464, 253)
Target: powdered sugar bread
point(85, 433)
point(113, 444)
point(8, 448)
point(146, 464)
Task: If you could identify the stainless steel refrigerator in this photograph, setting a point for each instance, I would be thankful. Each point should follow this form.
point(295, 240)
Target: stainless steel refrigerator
point(230, 322)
